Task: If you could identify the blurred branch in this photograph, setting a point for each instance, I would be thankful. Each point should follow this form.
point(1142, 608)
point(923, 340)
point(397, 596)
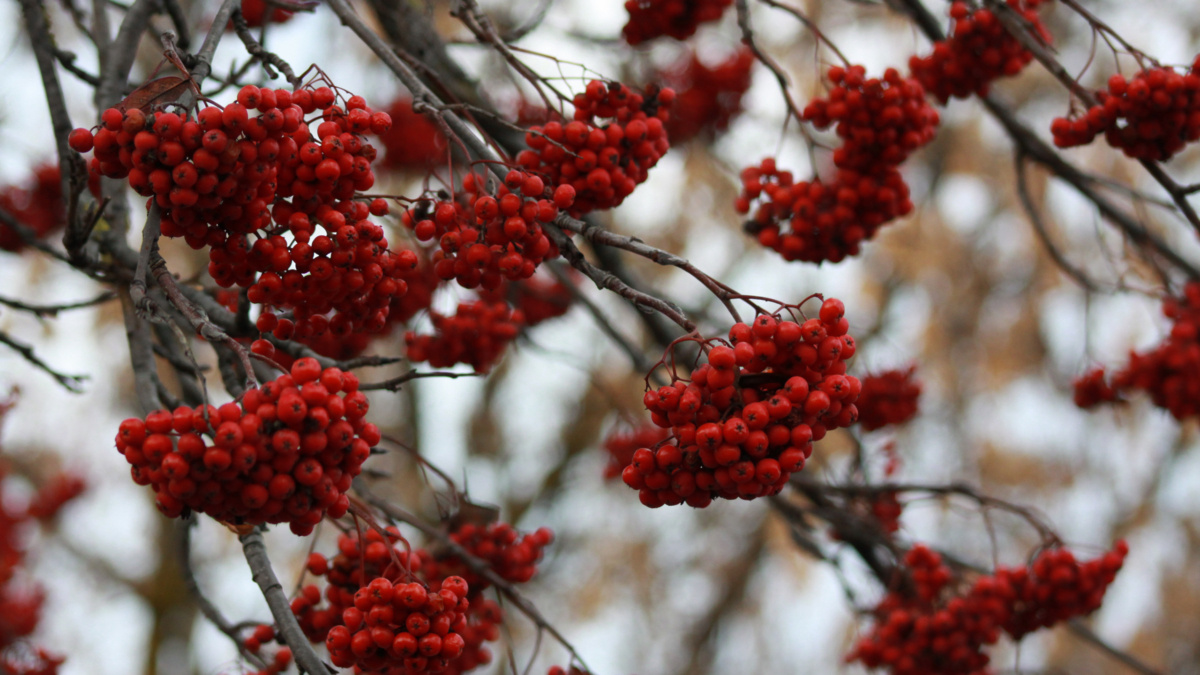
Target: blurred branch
point(395, 383)
point(52, 311)
point(1039, 228)
point(72, 383)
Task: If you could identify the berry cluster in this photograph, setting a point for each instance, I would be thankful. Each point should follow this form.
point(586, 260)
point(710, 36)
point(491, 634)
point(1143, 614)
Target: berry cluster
point(817, 221)
point(376, 590)
point(1169, 373)
point(39, 207)
point(978, 51)
point(269, 197)
point(413, 142)
point(749, 415)
point(476, 334)
point(880, 121)
point(933, 623)
point(285, 453)
point(707, 98)
point(621, 445)
point(484, 239)
point(649, 19)
point(510, 555)
point(381, 619)
point(602, 161)
point(1151, 116)
point(887, 398)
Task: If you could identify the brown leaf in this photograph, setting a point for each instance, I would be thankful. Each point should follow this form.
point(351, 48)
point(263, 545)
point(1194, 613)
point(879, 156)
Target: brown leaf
point(155, 92)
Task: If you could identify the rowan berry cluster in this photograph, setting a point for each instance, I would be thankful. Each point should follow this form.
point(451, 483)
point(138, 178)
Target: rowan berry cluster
point(748, 417)
point(621, 444)
point(817, 221)
point(483, 238)
point(269, 198)
point(603, 161)
point(887, 398)
point(649, 19)
point(934, 623)
point(706, 98)
point(978, 51)
point(413, 142)
point(38, 206)
point(1169, 373)
point(880, 121)
point(380, 615)
point(376, 590)
point(509, 554)
point(558, 670)
point(476, 334)
point(1151, 116)
point(285, 453)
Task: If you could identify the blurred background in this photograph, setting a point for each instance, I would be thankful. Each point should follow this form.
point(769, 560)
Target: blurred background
point(962, 289)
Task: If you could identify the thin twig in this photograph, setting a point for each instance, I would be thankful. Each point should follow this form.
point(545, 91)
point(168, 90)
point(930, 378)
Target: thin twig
point(396, 383)
point(1039, 228)
point(72, 383)
point(53, 310)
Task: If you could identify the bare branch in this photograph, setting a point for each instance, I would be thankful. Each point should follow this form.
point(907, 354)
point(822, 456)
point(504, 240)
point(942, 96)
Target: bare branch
point(289, 629)
point(72, 383)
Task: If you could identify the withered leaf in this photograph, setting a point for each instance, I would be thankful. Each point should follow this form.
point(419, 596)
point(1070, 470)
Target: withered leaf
point(159, 91)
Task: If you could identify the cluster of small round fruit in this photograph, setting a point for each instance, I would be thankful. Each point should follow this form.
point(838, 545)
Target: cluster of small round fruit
point(383, 610)
point(483, 238)
point(978, 51)
point(881, 121)
point(749, 415)
point(38, 206)
point(934, 623)
point(818, 221)
point(1169, 373)
point(650, 19)
point(476, 334)
point(512, 556)
point(1150, 116)
point(707, 98)
point(269, 198)
point(888, 398)
point(286, 452)
point(606, 151)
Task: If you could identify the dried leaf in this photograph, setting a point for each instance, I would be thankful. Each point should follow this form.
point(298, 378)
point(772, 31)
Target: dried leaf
point(158, 92)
